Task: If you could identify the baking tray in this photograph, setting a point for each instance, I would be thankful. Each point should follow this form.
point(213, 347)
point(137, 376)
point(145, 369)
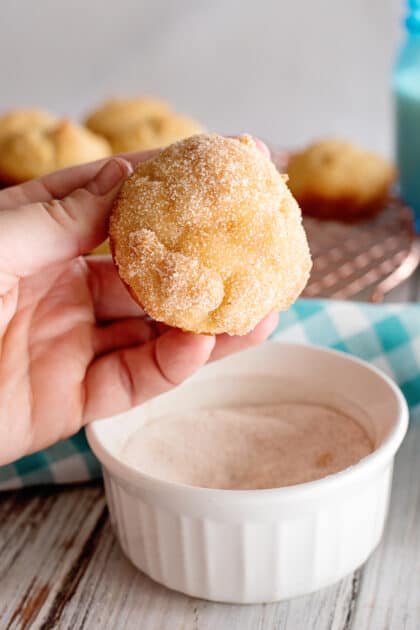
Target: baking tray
point(363, 260)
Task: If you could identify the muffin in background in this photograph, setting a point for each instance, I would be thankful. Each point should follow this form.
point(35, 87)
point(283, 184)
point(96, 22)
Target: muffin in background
point(40, 150)
point(336, 180)
point(155, 132)
point(138, 124)
point(24, 119)
point(117, 114)
point(102, 250)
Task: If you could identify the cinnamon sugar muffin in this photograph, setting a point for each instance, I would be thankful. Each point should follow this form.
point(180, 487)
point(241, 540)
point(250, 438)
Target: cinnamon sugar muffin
point(208, 237)
point(41, 150)
point(333, 179)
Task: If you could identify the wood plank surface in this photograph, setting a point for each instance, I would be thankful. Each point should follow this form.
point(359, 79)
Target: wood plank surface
point(61, 567)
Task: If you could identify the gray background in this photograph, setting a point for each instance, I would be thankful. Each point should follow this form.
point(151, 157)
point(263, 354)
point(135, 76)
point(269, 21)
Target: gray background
point(287, 70)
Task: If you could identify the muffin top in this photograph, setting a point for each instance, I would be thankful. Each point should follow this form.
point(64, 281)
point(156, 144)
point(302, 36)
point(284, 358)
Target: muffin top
point(21, 120)
point(41, 150)
point(139, 124)
point(115, 115)
point(154, 132)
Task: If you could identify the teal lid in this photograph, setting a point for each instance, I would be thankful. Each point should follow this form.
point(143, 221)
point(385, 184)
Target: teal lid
point(412, 21)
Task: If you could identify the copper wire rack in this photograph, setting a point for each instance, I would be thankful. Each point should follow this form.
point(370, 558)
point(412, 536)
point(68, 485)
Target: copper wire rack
point(361, 261)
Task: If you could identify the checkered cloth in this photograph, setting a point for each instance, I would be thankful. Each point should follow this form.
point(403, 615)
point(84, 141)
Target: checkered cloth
point(388, 336)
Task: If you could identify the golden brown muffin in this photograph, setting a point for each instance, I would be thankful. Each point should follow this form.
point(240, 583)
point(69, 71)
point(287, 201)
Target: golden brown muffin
point(42, 150)
point(21, 120)
point(139, 124)
point(208, 237)
point(102, 249)
point(333, 179)
point(154, 132)
point(117, 114)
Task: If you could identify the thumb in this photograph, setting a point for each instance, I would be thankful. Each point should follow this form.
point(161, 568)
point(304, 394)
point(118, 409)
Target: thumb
point(124, 378)
point(39, 234)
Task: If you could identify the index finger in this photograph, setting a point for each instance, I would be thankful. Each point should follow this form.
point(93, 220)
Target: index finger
point(61, 183)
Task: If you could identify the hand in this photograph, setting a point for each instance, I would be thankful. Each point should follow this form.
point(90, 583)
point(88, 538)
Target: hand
point(74, 346)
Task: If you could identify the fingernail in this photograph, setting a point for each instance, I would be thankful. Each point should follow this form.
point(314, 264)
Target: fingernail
point(111, 174)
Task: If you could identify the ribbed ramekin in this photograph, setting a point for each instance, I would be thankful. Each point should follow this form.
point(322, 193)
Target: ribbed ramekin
point(259, 545)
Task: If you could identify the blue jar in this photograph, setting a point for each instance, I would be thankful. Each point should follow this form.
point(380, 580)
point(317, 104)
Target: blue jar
point(406, 87)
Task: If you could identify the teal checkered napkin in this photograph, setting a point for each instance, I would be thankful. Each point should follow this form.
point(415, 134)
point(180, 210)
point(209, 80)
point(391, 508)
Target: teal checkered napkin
point(386, 335)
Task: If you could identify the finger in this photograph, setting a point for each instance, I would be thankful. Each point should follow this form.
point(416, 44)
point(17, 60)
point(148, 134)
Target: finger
point(36, 235)
point(259, 144)
point(262, 147)
point(226, 344)
point(125, 378)
point(61, 183)
point(123, 334)
point(111, 298)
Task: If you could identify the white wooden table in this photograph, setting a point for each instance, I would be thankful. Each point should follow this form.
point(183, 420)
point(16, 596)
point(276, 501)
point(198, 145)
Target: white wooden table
point(61, 567)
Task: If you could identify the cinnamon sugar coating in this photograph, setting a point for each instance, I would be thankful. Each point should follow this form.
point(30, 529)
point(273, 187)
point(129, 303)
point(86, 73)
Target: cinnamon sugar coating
point(208, 237)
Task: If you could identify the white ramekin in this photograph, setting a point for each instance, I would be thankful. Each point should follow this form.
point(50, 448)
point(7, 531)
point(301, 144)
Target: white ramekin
point(259, 545)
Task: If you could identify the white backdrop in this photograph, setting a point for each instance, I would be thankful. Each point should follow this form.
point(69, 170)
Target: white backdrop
point(287, 70)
